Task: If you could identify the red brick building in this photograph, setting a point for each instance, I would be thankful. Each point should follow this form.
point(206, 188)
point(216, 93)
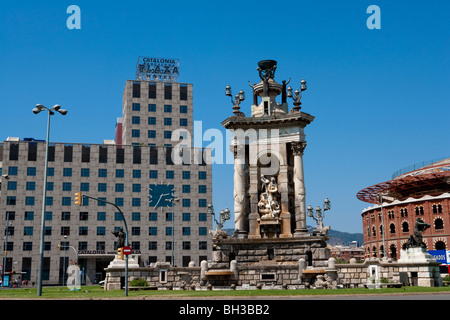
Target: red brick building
point(419, 193)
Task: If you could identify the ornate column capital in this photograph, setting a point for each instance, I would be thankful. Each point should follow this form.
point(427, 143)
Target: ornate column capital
point(238, 151)
point(298, 148)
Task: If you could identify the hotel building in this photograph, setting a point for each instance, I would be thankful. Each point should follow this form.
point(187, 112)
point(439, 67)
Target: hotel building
point(147, 151)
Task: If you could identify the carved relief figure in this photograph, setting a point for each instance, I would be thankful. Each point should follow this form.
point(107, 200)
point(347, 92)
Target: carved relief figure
point(268, 204)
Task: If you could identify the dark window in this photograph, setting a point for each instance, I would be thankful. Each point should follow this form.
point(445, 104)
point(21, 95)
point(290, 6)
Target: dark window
point(68, 152)
point(51, 153)
point(14, 151)
point(169, 160)
point(153, 155)
point(85, 153)
point(120, 155)
point(136, 89)
point(84, 216)
point(438, 224)
point(137, 155)
point(167, 91)
point(151, 90)
point(65, 216)
point(32, 151)
point(183, 92)
point(405, 227)
point(103, 154)
point(186, 260)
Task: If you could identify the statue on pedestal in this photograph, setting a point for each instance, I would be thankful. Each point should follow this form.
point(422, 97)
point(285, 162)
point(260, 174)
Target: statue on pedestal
point(416, 239)
point(120, 234)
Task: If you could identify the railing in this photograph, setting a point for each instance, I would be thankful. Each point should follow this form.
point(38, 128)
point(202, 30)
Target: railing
point(416, 166)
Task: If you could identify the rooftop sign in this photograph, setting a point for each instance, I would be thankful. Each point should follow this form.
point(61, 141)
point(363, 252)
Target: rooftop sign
point(158, 69)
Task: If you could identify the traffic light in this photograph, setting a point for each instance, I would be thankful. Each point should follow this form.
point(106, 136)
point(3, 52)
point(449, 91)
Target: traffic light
point(120, 253)
point(78, 198)
point(59, 247)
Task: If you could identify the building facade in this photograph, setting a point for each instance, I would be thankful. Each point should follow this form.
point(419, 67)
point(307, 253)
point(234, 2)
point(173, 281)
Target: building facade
point(423, 193)
point(146, 153)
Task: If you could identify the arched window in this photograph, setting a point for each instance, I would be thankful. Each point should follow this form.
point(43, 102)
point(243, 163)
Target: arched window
point(438, 224)
point(393, 250)
point(434, 208)
point(405, 226)
point(392, 228)
point(440, 245)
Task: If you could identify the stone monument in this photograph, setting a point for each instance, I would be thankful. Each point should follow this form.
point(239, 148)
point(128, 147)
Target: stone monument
point(269, 189)
point(268, 150)
point(420, 267)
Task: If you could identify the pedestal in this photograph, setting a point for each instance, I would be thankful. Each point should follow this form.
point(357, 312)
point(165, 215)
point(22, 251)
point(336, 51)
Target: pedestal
point(118, 263)
point(270, 227)
point(421, 268)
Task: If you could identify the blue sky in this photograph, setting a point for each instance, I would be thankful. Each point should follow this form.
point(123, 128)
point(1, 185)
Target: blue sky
point(380, 97)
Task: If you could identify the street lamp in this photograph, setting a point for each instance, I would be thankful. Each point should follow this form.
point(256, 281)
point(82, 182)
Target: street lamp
point(237, 100)
point(5, 249)
point(173, 200)
point(223, 216)
point(39, 108)
point(297, 95)
point(380, 196)
point(319, 216)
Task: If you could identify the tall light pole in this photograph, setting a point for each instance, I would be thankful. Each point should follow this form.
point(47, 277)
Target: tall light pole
point(6, 237)
point(173, 200)
point(39, 108)
point(380, 197)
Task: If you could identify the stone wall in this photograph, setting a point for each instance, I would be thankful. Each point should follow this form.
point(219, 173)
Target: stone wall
point(160, 276)
point(267, 274)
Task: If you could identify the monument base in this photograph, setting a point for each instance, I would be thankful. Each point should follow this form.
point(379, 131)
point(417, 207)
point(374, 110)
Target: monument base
point(419, 267)
point(119, 263)
point(268, 261)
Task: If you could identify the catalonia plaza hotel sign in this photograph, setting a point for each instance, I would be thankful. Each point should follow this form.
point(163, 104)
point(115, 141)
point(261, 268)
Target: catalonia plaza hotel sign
point(158, 69)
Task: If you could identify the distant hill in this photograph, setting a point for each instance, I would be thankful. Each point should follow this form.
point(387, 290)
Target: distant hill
point(344, 238)
point(336, 237)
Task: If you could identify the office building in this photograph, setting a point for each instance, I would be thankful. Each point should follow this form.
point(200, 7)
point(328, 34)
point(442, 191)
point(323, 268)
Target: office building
point(145, 153)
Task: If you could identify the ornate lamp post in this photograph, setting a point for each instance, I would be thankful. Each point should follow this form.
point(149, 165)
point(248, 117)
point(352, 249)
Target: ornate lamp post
point(319, 216)
point(237, 100)
point(297, 95)
point(224, 216)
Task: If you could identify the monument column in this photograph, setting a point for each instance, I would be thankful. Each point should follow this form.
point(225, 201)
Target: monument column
point(299, 187)
point(240, 220)
point(285, 215)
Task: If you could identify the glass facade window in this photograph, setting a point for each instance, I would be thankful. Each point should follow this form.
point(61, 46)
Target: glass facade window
point(136, 106)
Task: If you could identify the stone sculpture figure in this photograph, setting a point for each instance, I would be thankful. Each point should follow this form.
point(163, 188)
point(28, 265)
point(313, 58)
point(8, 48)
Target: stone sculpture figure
point(268, 204)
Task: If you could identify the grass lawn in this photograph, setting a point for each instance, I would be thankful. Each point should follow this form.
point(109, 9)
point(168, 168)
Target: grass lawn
point(96, 292)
